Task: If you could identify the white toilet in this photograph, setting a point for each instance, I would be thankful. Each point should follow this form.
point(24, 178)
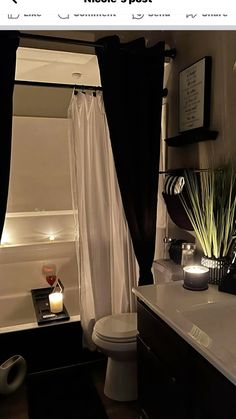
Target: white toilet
point(116, 336)
point(165, 270)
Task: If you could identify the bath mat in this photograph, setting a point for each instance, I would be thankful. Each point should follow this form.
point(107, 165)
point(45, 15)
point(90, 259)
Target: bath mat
point(64, 394)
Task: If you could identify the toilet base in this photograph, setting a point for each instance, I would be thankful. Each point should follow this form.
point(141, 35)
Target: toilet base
point(121, 380)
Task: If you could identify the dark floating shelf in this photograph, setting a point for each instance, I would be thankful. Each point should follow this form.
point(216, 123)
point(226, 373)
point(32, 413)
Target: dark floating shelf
point(190, 137)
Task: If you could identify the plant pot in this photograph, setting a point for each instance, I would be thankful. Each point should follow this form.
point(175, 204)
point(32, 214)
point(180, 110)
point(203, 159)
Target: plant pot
point(217, 268)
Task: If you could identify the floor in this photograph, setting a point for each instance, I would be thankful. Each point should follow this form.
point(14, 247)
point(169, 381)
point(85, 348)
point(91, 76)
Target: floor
point(114, 410)
point(15, 406)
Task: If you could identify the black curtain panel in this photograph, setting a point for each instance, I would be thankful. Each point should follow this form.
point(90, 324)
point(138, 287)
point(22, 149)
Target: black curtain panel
point(9, 41)
point(132, 81)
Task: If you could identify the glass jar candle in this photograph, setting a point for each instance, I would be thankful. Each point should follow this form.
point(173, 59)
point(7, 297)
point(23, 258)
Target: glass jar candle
point(56, 302)
point(196, 277)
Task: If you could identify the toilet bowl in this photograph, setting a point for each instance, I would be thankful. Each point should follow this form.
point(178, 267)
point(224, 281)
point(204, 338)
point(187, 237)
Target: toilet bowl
point(116, 336)
point(165, 270)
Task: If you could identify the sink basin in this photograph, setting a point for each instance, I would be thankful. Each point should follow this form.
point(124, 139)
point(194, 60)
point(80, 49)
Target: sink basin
point(214, 322)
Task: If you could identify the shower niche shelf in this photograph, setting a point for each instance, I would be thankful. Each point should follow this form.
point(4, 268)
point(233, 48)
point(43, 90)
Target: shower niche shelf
point(38, 227)
point(39, 213)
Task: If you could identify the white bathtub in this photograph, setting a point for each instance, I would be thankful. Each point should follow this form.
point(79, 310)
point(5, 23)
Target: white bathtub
point(17, 310)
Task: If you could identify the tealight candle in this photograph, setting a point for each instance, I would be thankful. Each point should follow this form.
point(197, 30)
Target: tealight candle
point(56, 302)
point(196, 277)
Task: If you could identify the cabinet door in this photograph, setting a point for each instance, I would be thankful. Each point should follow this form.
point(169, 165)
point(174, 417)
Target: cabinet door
point(213, 395)
point(163, 341)
point(160, 392)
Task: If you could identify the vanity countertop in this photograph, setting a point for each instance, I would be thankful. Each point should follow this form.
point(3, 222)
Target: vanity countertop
point(205, 319)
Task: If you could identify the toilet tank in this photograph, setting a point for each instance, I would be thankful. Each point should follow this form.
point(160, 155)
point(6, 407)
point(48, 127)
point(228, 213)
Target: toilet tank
point(165, 270)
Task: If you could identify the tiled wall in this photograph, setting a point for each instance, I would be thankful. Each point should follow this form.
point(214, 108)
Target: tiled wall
point(21, 267)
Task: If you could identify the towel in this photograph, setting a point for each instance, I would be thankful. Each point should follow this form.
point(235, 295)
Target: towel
point(173, 184)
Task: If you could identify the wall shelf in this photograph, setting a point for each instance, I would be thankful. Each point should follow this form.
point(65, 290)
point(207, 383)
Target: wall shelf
point(191, 137)
point(39, 213)
point(36, 243)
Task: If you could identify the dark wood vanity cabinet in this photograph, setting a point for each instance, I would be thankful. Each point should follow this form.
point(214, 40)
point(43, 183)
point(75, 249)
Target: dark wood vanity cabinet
point(160, 393)
point(174, 380)
point(214, 395)
point(163, 368)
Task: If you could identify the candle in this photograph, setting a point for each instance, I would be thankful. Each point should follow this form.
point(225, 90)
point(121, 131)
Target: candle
point(196, 277)
point(56, 302)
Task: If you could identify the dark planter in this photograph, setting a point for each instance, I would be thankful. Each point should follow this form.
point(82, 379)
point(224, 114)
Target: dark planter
point(217, 268)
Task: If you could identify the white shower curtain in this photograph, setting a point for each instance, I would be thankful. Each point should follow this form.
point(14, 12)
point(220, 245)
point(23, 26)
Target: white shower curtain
point(106, 261)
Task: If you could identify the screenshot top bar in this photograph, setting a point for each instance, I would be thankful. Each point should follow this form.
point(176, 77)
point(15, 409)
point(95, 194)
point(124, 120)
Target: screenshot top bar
point(17, 14)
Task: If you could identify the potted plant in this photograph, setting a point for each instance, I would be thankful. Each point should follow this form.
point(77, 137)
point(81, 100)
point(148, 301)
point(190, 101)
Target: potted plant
point(211, 210)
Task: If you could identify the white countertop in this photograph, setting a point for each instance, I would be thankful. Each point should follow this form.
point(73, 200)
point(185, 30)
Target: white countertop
point(205, 319)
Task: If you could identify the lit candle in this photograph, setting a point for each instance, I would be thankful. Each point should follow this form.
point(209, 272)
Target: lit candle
point(196, 277)
point(56, 302)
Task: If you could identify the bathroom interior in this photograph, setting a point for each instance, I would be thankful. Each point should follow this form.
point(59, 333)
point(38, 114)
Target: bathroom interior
point(58, 368)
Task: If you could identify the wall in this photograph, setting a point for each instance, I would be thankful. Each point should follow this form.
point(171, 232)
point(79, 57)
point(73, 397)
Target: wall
point(21, 266)
point(41, 101)
point(39, 175)
point(191, 46)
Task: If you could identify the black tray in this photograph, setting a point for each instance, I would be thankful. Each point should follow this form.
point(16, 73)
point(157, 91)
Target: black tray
point(42, 307)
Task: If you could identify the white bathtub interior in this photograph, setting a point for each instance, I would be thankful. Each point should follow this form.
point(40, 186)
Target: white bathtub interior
point(17, 310)
point(39, 226)
point(21, 271)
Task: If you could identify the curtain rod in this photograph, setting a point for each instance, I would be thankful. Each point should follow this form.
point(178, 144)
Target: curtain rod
point(171, 53)
point(182, 170)
point(59, 85)
point(66, 86)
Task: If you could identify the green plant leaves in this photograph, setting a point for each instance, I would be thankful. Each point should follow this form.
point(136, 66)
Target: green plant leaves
point(211, 208)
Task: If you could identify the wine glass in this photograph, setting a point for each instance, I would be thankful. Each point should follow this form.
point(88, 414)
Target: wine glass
point(49, 271)
point(51, 279)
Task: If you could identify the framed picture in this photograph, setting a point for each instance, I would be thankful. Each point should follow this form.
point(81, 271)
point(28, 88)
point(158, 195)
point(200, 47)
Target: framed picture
point(195, 95)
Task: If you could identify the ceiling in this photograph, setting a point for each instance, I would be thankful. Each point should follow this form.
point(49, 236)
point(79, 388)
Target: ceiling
point(57, 66)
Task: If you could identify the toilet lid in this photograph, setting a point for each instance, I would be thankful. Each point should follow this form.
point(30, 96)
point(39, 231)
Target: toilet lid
point(118, 327)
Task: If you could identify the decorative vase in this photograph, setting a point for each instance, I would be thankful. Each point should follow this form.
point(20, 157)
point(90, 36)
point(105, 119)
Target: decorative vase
point(12, 374)
point(217, 268)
